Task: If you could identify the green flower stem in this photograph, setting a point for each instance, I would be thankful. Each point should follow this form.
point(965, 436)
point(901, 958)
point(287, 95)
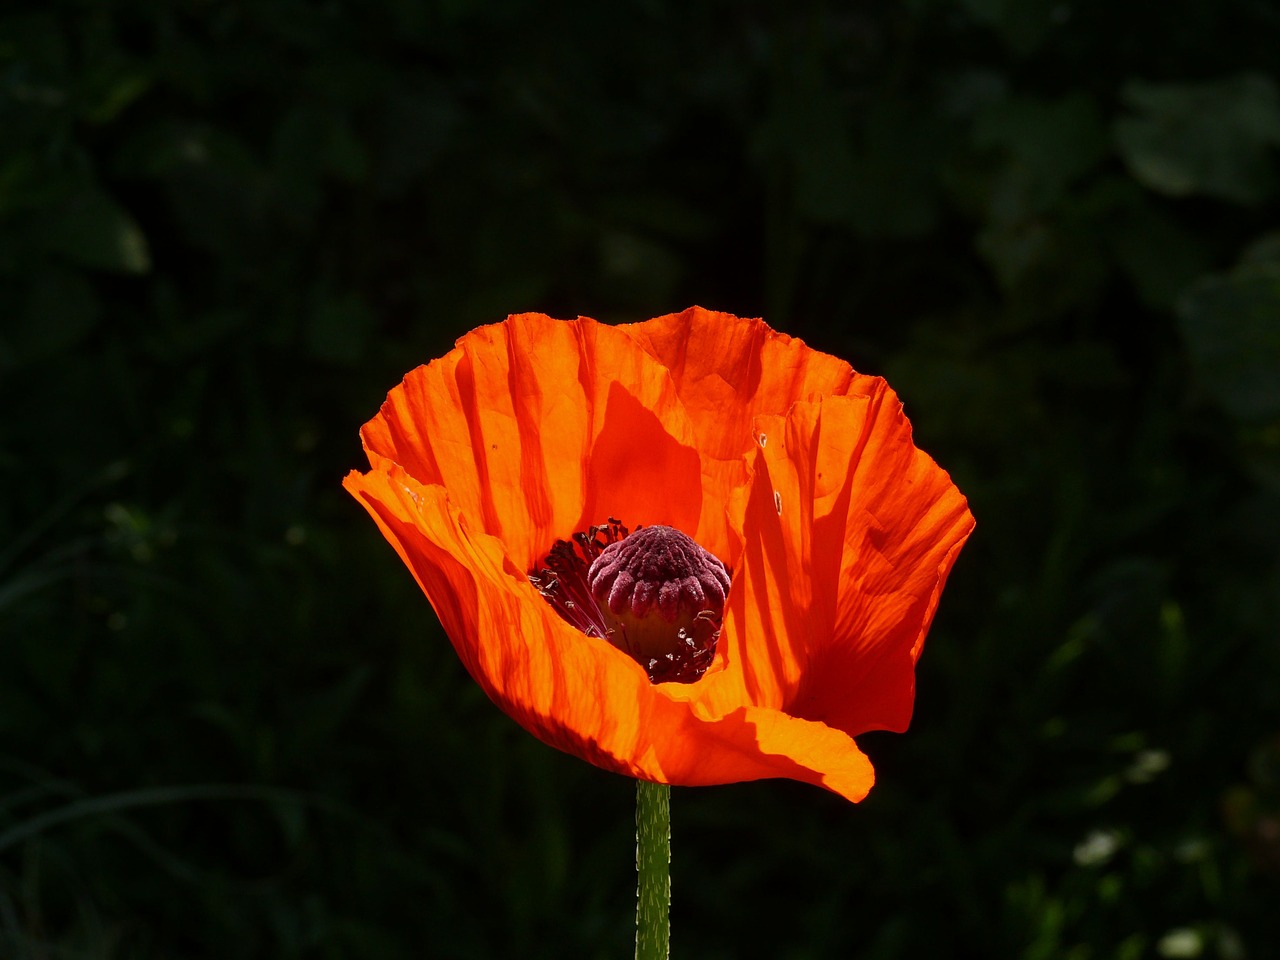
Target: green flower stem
point(653, 869)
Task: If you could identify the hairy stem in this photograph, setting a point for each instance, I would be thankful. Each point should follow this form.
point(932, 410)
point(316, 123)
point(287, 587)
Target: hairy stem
point(653, 869)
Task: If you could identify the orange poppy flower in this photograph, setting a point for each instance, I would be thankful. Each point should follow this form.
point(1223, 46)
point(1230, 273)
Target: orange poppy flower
point(740, 457)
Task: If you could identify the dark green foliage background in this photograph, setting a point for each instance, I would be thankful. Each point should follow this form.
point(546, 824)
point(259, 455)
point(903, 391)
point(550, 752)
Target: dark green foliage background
point(229, 723)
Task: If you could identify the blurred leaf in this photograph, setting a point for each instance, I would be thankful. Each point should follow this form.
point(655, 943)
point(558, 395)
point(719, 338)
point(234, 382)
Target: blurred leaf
point(1266, 249)
point(893, 189)
point(1213, 138)
point(182, 333)
point(61, 309)
point(1021, 178)
point(116, 93)
point(871, 169)
point(215, 186)
point(1160, 255)
point(35, 52)
point(17, 173)
point(1260, 449)
point(1013, 249)
point(168, 147)
point(1045, 145)
point(311, 143)
point(1022, 24)
point(91, 229)
point(965, 94)
point(1231, 325)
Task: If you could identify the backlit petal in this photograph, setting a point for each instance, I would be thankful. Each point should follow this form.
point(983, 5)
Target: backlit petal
point(579, 693)
point(794, 470)
point(851, 531)
point(728, 371)
point(539, 427)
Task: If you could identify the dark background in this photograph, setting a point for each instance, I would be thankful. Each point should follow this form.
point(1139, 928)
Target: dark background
point(229, 723)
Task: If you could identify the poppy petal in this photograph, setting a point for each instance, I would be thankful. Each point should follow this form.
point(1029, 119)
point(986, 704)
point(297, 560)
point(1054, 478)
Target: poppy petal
point(569, 689)
point(781, 460)
point(728, 370)
point(539, 427)
point(851, 532)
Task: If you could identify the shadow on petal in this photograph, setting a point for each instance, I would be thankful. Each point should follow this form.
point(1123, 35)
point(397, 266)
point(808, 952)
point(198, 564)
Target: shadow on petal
point(638, 472)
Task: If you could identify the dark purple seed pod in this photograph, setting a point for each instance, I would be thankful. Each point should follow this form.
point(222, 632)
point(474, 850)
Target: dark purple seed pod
point(658, 567)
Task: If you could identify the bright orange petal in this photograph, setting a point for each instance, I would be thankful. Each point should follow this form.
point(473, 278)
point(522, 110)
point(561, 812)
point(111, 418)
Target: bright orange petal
point(905, 527)
point(851, 532)
point(539, 427)
point(755, 743)
point(578, 693)
point(728, 370)
point(780, 460)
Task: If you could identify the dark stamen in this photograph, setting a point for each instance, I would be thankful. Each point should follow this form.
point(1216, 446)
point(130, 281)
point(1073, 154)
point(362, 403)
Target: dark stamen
point(659, 597)
point(563, 581)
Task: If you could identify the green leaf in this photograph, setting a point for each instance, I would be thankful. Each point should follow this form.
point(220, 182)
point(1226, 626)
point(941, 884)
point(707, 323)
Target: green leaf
point(90, 229)
point(1160, 256)
point(1231, 325)
point(62, 307)
point(112, 96)
point(1022, 24)
point(311, 141)
point(1202, 138)
point(1047, 145)
point(1266, 249)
